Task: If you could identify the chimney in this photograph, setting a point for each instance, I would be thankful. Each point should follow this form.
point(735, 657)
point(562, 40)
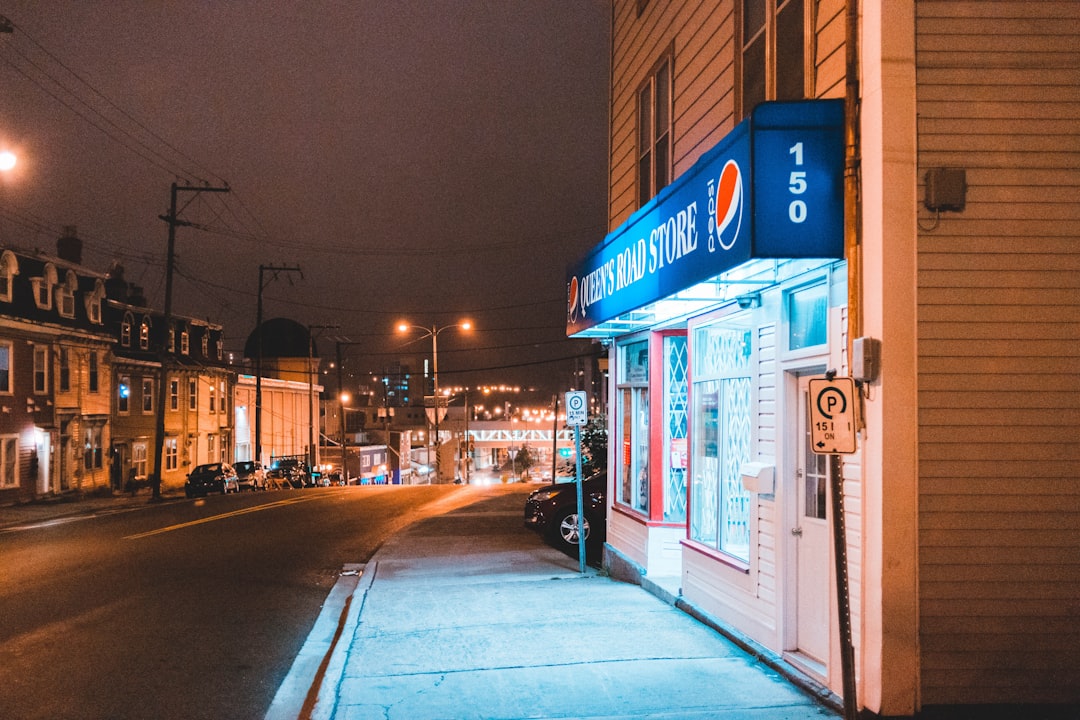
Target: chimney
point(136, 296)
point(69, 246)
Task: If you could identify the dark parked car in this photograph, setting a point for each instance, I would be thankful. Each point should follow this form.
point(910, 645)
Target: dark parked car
point(552, 512)
point(292, 471)
point(250, 475)
point(212, 477)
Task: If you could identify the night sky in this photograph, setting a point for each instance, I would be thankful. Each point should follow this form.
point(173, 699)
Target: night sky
point(418, 160)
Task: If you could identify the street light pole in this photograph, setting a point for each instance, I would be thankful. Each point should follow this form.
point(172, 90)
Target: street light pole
point(433, 333)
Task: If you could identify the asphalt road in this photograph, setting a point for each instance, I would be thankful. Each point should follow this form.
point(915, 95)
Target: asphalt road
point(185, 609)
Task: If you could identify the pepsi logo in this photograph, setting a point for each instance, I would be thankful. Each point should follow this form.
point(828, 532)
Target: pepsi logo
point(572, 299)
point(729, 205)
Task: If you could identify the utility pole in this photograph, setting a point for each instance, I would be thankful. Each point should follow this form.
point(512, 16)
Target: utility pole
point(313, 456)
point(259, 349)
point(167, 334)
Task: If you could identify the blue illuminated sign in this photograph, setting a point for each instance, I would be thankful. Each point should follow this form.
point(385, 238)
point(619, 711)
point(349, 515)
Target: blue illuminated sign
point(772, 188)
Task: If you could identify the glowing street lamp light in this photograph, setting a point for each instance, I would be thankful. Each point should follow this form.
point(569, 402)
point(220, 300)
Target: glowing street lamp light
point(7, 160)
point(433, 333)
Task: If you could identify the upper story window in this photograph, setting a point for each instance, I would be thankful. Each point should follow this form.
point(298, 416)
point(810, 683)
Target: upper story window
point(5, 366)
point(43, 287)
point(64, 360)
point(172, 340)
point(205, 345)
point(125, 329)
point(185, 342)
point(773, 58)
point(148, 395)
point(193, 394)
point(144, 334)
point(123, 394)
point(65, 295)
point(93, 374)
point(174, 394)
point(93, 302)
point(41, 369)
point(9, 268)
point(220, 345)
point(654, 131)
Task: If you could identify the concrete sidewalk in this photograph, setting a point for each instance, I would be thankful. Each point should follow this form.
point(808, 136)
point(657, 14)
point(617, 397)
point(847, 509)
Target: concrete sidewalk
point(470, 615)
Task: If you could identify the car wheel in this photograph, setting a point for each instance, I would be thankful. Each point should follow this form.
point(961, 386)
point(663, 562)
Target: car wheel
point(564, 529)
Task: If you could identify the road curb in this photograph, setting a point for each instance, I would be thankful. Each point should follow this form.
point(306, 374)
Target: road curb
point(316, 663)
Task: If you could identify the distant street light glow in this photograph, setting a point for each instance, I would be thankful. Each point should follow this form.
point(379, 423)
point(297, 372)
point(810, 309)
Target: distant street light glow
point(7, 160)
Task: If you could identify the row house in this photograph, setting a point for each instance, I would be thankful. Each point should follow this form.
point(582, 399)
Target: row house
point(55, 379)
point(197, 395)
point(886, 191)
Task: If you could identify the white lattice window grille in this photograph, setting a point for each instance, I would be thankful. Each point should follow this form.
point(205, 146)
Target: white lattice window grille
point(722, 395)
point(676, 452)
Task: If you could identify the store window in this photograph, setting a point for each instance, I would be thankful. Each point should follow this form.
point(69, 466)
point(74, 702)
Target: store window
point(632, 488)
point(773, 59)
point(722, 393)
point(654, 131)
point(807, 316)
point(675, 431)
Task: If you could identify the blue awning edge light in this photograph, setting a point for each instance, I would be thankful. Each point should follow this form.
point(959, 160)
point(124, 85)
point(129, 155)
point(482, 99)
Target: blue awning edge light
point(770, 190)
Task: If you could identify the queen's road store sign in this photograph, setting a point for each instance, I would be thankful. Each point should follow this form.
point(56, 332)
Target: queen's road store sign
point(772, 188)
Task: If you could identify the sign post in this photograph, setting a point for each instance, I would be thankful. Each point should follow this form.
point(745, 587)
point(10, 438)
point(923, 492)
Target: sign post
point(577, 414)
point(832, 433)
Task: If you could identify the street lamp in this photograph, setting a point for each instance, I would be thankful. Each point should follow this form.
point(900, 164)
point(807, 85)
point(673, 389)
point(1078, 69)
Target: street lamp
point(433, 333)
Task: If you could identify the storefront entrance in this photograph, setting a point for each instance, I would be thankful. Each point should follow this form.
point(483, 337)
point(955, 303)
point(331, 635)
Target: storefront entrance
point(811, 533)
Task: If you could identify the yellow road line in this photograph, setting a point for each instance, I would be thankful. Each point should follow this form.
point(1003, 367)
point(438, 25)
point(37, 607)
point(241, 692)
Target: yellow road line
point(223, 516)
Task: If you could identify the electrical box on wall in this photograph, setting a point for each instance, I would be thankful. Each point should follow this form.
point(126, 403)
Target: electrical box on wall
point(865, 359)
point(946, 189)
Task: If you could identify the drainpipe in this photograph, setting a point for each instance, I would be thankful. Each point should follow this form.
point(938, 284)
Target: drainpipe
point(852, 200)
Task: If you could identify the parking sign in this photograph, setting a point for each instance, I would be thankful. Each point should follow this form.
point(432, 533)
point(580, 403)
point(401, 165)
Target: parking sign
point(832, 416)
point(577, 408)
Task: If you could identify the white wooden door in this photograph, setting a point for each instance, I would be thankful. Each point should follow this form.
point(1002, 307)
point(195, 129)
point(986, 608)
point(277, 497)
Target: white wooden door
point(811, 533)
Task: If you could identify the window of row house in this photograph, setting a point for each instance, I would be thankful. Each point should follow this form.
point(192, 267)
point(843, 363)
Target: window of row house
point(65, 296)
point(205, 343)
point(93, 379)
point(212, 398)
point(654, 109)
point(125, 329)
point(185, 342)
point(9, 456)
point(223, 392)
point(144, 334)
point(632, 487)
point(64, 360)
point(41, 369)
point(123, 394)
point(93, 302)
point(139, 459)
point(171, 454)
point(211, 447)
point(5, 366)
point(92, 455)
point(773, 60)
point(193, 394)
point(722, 396)
point(43, 287)
point(148, 395)
point(9, 268)
point(174, 394)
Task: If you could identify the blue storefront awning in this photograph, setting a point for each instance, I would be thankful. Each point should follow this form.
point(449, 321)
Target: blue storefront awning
point(771, 190)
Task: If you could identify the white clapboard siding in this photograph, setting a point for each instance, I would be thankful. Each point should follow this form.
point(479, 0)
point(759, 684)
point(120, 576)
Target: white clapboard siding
point(998, 89)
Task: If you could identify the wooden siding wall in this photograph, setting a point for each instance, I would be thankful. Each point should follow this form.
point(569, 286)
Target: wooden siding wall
point(998, 91)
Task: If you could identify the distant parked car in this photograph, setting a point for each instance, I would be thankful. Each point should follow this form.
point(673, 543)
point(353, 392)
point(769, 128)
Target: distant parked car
point(552, 512)
point(292, 471)
point(212, 477)
point(250, 475)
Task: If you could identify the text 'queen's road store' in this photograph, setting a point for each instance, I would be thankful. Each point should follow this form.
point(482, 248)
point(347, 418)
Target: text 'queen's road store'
point(722, 297)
